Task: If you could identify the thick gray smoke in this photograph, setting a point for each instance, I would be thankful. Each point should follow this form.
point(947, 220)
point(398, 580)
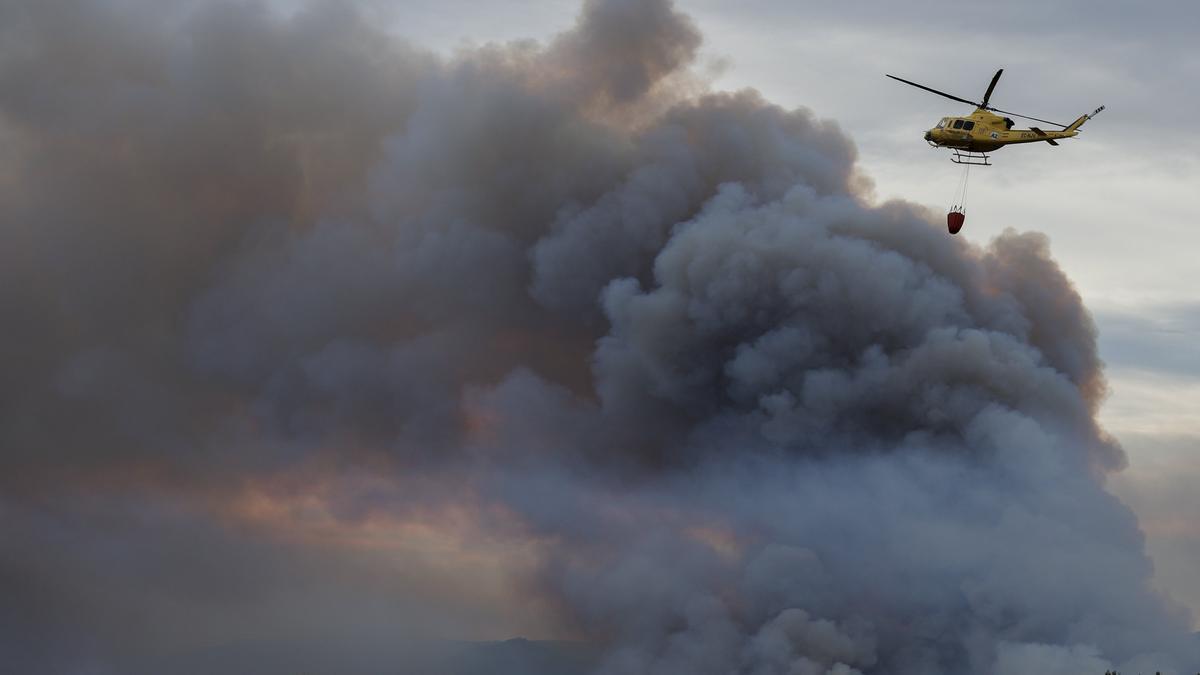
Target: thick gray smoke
point(748, 422)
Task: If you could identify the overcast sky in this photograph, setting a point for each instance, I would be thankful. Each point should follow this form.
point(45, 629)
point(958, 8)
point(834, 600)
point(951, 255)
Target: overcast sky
point(320, 338)
point(1118, 202)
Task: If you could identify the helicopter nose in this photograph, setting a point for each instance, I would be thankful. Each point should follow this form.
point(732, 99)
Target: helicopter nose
point(929, 135)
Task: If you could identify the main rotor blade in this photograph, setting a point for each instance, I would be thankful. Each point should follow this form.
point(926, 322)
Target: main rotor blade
point(1027, 117)
point(987, 96)
point(935, 91)
point(984, 105)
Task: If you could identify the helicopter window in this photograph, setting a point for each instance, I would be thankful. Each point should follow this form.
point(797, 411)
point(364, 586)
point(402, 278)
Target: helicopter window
point(941, 123)
point(958, 124)
point(967, 126)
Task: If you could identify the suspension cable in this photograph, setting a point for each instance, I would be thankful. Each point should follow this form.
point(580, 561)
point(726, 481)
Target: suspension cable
point(962, 202)
point(960, 194)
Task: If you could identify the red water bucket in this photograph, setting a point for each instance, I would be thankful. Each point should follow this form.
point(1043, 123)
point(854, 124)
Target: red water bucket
point(955, 220)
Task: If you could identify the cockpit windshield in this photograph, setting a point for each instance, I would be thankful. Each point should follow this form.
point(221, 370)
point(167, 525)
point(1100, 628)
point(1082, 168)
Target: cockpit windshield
point(941, 123)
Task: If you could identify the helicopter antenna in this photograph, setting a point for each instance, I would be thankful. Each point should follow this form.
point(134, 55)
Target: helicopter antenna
point(987, 96)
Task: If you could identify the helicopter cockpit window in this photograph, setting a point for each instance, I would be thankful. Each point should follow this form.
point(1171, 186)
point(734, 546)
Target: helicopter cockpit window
point(958, 124)
point(941, 123)
point(967, 126)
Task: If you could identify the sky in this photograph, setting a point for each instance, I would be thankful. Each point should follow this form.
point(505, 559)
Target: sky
point(349, 333)
point(1117, 202)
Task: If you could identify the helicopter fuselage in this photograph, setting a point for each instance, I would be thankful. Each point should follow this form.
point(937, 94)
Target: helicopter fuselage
point(984, 131)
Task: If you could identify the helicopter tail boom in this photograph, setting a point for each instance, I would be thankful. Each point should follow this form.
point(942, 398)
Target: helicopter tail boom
point(1083, 118)
point(1077, 123)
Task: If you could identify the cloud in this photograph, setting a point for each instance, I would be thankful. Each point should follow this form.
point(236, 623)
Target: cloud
point(1160, 339)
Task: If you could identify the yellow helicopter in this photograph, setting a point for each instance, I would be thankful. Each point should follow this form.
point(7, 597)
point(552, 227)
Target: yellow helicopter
point(983, 131)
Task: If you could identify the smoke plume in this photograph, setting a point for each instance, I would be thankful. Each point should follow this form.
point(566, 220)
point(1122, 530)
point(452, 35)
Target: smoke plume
point(314, 335)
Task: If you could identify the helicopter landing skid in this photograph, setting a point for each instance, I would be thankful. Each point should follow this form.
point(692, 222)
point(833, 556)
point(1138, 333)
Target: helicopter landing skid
point(968, 157)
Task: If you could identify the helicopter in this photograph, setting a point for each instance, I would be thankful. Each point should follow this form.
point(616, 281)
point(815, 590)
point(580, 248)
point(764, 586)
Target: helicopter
point(983, 131)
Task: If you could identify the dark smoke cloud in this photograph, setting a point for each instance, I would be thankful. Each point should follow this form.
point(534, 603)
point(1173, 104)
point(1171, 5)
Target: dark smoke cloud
point(745, 421)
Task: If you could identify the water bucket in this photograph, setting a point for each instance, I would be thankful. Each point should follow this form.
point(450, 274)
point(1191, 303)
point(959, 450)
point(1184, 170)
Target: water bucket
point(955, 220)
